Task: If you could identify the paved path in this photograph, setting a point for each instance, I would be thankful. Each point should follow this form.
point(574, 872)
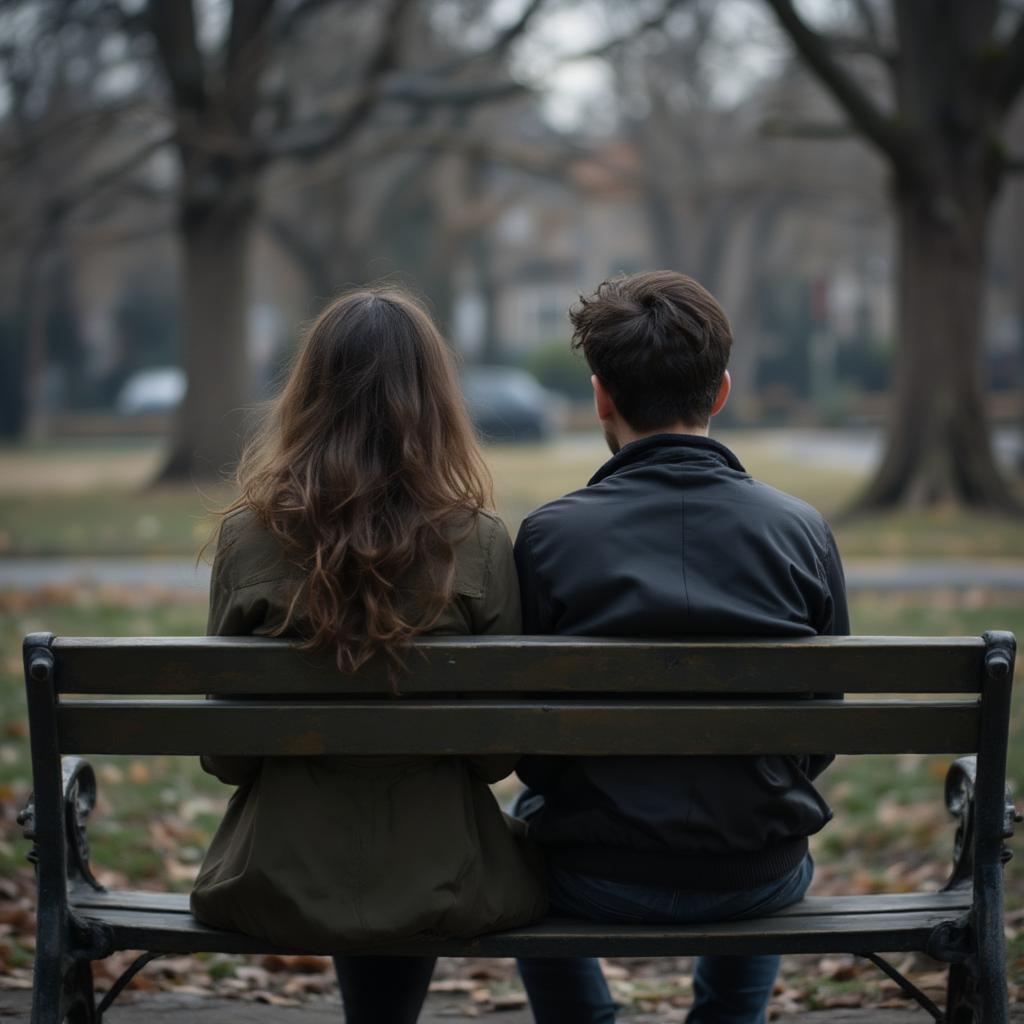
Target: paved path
point(184, 574)
point(40, 573)
point(182, 1009)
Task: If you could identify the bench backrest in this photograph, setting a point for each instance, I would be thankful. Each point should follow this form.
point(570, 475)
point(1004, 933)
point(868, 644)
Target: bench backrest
point(514, 694)
point(525, 695)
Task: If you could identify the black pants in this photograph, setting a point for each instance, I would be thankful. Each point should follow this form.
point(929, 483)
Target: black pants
point(378, 989)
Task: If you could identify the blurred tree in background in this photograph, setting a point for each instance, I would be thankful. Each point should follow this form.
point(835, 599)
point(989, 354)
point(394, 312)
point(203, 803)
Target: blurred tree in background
point(226, 100)
point(953, 71)
point(207, 172)
point(233, 118)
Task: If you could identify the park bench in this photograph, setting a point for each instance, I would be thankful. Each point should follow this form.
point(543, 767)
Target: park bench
point(530, 695)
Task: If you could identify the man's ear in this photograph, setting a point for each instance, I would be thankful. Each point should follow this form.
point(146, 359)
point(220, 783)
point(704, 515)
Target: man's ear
point(723, 394)
point(602, 400)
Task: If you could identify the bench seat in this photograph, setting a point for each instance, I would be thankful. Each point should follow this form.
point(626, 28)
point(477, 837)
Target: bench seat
point(818, 924)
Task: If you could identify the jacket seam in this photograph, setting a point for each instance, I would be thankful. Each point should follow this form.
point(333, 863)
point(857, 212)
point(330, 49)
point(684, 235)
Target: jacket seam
point(821, 564)
point(488, 565)
point(264, 579)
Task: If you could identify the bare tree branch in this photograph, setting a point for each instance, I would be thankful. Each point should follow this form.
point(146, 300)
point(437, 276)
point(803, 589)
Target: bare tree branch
point(862, 110)
point(426, 94)
point(537, 160)
point(246, 57)
point(291, 19)
point(304, 141)
point(96, 15)
point(1010, 79)
point(859, 46)
point(653, 22)
point(174, 30)
point(417, 90)
point(248, 21)
point(55, 209)
point(869, 19)
point(59, 128)
point(541, 161)
point(509, 35)
point(776, 127)
point(497, 49)
point(109, 177)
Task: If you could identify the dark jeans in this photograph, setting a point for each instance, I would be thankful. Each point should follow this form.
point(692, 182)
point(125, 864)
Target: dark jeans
point(726, 989)
point(572, 990)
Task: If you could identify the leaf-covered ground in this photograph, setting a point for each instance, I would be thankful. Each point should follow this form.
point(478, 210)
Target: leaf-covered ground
point(155, 816)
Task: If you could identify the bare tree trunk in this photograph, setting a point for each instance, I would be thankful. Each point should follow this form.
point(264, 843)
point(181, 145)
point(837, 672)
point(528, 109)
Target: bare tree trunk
point(664, 227)
point(954, 77)
point(487, 286)
point(34, 306)
point(293, 239)
point(210, 425)
point(938, 447)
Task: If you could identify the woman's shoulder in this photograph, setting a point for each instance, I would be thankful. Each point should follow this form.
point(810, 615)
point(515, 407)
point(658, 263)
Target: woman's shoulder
point(479, 541)
point(485, 527)
point(248, 552)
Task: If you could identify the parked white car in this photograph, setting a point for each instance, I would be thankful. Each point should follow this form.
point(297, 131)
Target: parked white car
point(159, 389)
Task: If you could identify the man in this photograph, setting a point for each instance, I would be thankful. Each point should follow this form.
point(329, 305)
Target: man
point(670, 538)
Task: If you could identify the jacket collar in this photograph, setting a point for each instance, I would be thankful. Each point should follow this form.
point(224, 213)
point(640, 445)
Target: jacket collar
point(668, 448)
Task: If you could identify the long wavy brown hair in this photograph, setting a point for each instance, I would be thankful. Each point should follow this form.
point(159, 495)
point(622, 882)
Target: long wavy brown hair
point(368, 472)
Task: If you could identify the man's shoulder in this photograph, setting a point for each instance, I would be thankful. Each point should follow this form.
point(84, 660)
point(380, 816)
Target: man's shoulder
point(740, 502)
point(784, 504)
point(744, 490)
point(562, 511)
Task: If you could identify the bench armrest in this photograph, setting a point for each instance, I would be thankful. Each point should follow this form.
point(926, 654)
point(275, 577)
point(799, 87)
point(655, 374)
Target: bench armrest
point(79, 783)
point(960, 780)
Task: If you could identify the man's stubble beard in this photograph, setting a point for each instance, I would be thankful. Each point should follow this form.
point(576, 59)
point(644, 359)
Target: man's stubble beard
point(611, 440)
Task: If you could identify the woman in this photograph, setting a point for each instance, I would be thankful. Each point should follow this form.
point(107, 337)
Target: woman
point(362, 523)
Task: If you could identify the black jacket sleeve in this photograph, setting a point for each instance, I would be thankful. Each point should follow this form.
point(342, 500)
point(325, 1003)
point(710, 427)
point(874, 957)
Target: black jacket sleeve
point(836, 622)
point(535, 620)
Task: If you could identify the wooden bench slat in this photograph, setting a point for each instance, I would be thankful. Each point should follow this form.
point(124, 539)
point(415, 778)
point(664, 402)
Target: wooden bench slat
point(812, 906)
point(255, 665)
point(580, 727)
point(850, 932)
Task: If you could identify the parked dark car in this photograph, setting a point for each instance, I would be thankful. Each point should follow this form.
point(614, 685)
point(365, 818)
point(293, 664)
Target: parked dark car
point(507, 404)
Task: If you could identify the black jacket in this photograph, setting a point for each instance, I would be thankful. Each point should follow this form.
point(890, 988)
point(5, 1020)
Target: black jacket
point(673, 538)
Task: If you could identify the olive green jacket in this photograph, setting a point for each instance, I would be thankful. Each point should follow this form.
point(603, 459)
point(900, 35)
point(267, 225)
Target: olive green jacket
point(343, 853)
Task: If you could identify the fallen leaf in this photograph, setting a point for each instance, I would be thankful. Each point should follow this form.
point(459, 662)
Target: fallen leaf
point(256, 976)
point(838, 969)
point(850, 999)
point(309, 964)
point(510, 1001)
point(453, 985)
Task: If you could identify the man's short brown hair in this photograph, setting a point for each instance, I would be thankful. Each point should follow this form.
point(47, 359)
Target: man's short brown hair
point(659, 343)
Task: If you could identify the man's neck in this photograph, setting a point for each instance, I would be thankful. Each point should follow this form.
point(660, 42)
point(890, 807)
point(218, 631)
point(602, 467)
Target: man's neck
point(626, 435)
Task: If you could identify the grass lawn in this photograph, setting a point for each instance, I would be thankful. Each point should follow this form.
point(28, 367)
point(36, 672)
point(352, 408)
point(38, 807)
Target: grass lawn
point(91, 499)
